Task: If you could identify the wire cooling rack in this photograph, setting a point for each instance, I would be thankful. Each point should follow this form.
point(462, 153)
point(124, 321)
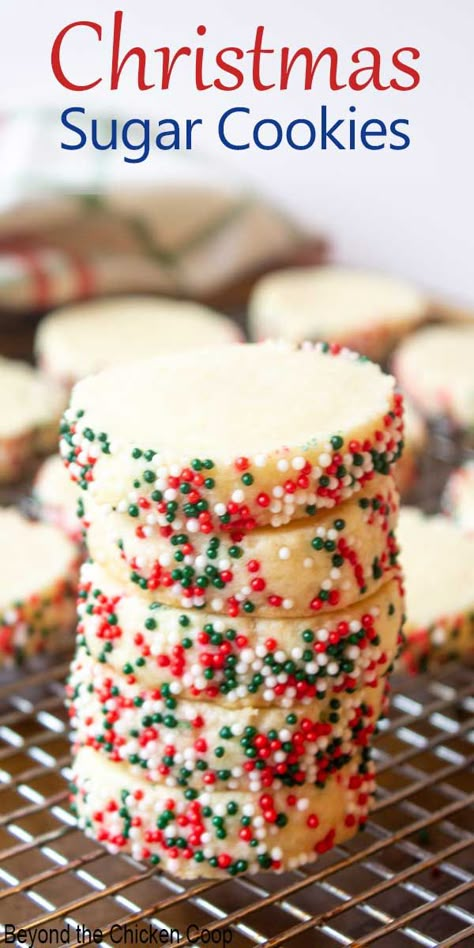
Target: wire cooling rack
point(407, 880)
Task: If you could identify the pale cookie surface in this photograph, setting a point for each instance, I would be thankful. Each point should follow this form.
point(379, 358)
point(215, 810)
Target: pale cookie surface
point(242, 661)
point(79, 340)
point(233, 437)
point(364, 310)
point(29, 419)
point(458, 498)
point(434, 367)
point(37, 588)
point(221, 833)
point(315, 564)
point(438, 565)
point(201, 744)
point(57, 497)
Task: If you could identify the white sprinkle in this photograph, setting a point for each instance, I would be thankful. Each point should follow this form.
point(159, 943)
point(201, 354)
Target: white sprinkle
point(302, 804)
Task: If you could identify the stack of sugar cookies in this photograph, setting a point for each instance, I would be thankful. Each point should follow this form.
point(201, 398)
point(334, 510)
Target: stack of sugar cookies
point(242, 603)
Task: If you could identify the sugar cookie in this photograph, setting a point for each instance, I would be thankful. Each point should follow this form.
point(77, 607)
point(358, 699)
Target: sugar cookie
point(234, 437)
point(39, 578)
point(434, 367)
point(80, 339)
point(438, 565)
point(242, 661)
point(56, 497)
point(315, 564)
point(222, 833)
point(366, 311)
point(29, 420)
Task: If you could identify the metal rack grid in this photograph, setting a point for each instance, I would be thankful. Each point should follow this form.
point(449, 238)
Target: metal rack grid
point(407, 880)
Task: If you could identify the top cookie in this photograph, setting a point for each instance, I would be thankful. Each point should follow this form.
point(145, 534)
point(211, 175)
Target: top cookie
point(77, 340)
point(233, 437)
point(434, 367)
point(364, 310)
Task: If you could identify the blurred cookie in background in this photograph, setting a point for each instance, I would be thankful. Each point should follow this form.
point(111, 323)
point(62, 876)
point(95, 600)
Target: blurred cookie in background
point(407, 468)
point(435, 368)
point(437, 560)
point(56, 498)
point(458, 496)
point(81, 339)
point(38, 582)
point(363, 310)
point(32, 405)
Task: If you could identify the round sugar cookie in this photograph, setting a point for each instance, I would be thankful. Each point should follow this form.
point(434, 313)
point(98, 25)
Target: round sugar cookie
point(38, 587)
point(315, 564)
point(234, 437)
point(220, 833)
point(458, 497)
point(366, 311)
point(200, 744)
point(434, 367)
point(242, 661)
point(80, 339)
point(438, 565)
point(29, 419)
point(414, 444)
point(56, 497)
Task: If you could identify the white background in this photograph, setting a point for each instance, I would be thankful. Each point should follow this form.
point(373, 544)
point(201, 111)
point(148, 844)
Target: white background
point(410, 212)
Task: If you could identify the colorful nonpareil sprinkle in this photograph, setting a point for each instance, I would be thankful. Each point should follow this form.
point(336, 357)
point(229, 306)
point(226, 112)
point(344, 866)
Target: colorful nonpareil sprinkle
point(201, 744)
point(226, 833)
point(246, 661)
point(314, 459)
point(316, 564)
